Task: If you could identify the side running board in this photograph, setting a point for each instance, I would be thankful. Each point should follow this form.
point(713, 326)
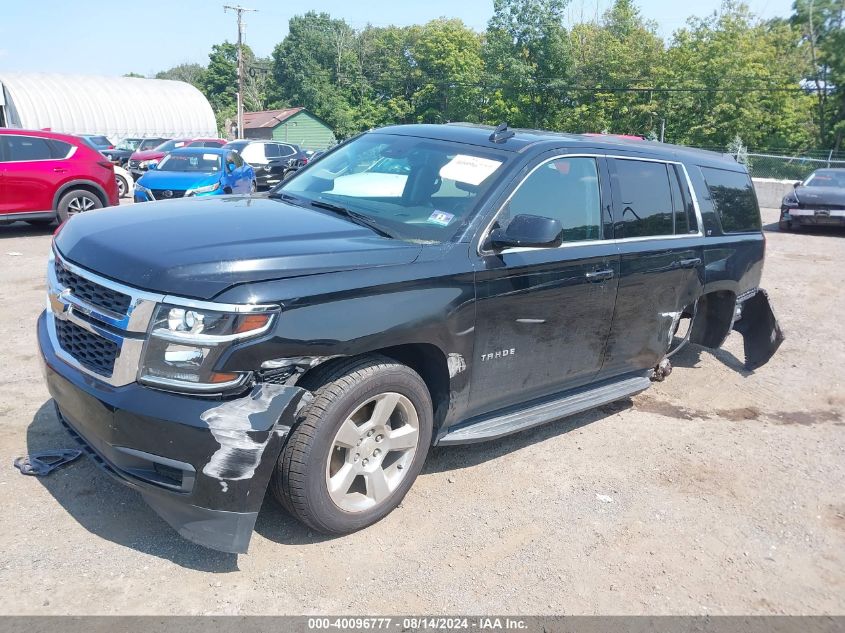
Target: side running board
point(504, 424)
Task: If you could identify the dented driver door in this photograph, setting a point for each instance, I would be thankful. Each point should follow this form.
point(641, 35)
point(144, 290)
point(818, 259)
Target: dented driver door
point(543, 314)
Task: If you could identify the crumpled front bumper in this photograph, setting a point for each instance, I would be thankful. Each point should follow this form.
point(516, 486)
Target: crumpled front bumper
point(202, 464)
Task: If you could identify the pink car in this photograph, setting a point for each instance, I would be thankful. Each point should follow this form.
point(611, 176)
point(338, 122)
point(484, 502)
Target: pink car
point(44, 175)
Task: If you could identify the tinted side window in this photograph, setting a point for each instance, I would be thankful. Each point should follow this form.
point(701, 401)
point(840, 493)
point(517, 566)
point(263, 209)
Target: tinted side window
point(645, 198)
point(286, 150)
point(271, 150)
point(22, 148)
point(60, 148)
point(565, 189)
point(732, 193)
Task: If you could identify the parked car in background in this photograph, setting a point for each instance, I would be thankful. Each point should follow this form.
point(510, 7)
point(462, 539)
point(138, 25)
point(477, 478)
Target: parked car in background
point(140, 161)
point(125, 182)
point(98, 142)
point(817, 201)
point(45, 175)
point(120, 154)
point(269, 158)
point(196, 171)
point(305, 157)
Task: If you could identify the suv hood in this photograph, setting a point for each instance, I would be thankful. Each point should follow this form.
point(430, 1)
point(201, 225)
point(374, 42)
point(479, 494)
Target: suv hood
point(199, 247)
point(809, 196)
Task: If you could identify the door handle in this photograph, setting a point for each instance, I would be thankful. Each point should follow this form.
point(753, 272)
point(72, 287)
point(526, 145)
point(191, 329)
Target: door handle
point(59, 170)
point(690, 263)
point(599, 275)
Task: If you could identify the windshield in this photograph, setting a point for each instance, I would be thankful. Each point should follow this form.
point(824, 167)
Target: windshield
point(200, 163)
point(415, 188)
point(129, 144)
point(169, 146)
point(826, 179)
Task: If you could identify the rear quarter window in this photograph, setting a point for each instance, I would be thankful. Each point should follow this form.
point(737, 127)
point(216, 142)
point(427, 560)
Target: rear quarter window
point(732, 193)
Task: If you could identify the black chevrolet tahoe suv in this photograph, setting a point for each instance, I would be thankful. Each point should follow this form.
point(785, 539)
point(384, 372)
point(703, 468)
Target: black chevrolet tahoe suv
point(419, 285)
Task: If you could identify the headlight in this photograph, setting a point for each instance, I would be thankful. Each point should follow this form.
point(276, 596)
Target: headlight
point(186, 343)
point(790, 200)
point(206, 189)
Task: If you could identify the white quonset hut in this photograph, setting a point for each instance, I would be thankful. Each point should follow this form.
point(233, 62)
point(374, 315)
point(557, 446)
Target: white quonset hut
point(115, 107)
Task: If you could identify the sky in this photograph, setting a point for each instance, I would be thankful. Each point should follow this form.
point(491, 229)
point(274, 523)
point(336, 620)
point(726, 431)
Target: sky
point(113, 38)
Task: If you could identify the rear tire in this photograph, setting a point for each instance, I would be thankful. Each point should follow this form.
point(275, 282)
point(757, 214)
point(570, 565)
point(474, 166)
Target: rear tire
point(359, 447)
point(77, 201)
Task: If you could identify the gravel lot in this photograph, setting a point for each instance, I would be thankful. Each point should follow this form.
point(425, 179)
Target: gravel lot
point(717, 491)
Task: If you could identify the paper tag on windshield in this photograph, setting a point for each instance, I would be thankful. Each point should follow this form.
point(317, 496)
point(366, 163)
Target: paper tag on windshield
point(471, 170)
point(209, 156)
point(441, 218)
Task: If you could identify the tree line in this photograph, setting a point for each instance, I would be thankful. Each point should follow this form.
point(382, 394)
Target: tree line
point(776, 84)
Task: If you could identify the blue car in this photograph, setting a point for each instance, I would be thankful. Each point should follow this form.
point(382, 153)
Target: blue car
point(196, 171)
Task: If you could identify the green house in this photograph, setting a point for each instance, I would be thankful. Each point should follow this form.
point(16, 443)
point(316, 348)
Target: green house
point(291, 125)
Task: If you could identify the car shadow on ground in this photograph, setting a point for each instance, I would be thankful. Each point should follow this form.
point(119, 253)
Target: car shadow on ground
point(118, 514)
point(112, 511)
point(690, 355)
point(449, 458)
point(22, 229)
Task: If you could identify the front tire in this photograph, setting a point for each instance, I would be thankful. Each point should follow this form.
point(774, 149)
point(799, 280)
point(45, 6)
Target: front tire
point(359, 447)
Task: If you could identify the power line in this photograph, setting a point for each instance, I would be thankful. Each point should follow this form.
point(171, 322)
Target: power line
point(239, 10)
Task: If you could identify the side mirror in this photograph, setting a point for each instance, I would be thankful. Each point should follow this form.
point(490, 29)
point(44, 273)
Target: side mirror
point(230, 166)
point(795, 185)
point(528, 231)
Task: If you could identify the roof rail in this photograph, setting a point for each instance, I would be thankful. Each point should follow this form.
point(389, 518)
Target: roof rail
point(501, 133)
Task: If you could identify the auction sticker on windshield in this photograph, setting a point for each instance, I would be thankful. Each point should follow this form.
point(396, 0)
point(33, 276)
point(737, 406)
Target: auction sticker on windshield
point(441, 217)
point(471, 170)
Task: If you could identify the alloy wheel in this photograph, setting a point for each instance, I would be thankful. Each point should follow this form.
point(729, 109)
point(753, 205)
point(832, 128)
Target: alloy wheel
point(372, 452)
point(80, 204)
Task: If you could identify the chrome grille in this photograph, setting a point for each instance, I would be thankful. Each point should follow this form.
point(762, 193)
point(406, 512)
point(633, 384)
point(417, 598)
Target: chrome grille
point(91, 351)
point(134, 163)
point(90, 292)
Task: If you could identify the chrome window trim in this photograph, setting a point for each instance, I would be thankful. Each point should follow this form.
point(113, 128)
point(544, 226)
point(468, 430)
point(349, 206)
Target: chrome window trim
point(70, 153)
point(131, 331)
point(519, 249)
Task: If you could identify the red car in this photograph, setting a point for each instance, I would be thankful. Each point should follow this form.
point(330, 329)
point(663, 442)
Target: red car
point(44, 175)
point(139, 162)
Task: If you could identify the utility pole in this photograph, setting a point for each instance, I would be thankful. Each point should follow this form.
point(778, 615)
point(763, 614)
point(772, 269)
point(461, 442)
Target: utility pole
point(239, 10)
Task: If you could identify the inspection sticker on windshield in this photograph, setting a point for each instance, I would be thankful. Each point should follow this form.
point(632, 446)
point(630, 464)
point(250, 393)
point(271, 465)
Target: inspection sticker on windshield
point(471, 170)
point(209, 156)
point(441, 218)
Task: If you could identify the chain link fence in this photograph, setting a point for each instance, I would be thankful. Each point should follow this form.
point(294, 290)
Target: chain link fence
point(784, 164)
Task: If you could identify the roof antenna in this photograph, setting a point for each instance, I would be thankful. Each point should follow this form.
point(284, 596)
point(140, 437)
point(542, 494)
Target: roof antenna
point(501, 133)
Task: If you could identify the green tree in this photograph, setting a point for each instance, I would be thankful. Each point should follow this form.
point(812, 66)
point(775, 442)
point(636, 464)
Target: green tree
point(621, 52)
point(822, 27)
point(447, 58)
point(729, 74)
point(193, 74)
point(317, 67)
point(527, 59)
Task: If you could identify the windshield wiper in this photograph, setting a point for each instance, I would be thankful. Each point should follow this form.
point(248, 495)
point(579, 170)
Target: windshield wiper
point(285, 196)
point(357, 218)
